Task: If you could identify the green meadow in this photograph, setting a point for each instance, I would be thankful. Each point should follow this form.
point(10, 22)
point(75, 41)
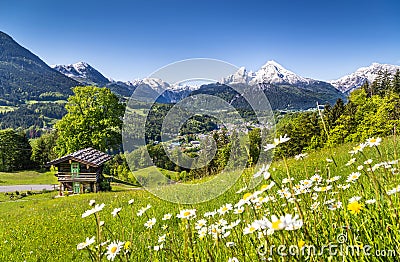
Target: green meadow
point(351, 206)
point(27, 178)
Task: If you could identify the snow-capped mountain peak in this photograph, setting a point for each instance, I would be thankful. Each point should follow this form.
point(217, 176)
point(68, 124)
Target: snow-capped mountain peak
point(271, 72)
point(274, 73)
point(79, 69)
point(82, 72)
point(155, 83)
point(239, 77)
point(360, 76)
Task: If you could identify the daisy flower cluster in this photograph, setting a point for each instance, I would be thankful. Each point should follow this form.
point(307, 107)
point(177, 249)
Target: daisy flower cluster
point(287, 208)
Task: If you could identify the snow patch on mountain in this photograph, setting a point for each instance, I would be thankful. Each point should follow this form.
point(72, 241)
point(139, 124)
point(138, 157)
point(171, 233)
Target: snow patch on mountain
point(360, 76)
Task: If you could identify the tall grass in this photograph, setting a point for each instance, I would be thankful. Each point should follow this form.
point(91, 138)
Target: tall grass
point(349, 211)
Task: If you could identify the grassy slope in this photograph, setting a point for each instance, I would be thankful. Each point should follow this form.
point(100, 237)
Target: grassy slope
point(27, 178)
point(49, 229)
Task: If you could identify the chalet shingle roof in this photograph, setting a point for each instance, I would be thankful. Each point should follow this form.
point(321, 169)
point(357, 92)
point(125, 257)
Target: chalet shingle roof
point(88, 156)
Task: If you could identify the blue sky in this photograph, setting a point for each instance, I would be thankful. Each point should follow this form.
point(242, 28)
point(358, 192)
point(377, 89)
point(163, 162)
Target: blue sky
point(126, 40)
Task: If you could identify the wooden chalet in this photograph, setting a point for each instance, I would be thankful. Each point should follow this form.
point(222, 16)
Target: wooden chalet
point(81, 171)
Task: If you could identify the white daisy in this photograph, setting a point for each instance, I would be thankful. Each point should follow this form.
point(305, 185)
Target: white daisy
point(85, 244)
point(115, 211)
point(150, 223)
point(113, 249)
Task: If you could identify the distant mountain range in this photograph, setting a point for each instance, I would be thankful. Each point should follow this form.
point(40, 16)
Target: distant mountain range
point(23, 76)
point(364, 74)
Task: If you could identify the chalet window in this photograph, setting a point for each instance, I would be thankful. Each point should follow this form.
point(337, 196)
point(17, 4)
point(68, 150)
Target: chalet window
point(74, 169)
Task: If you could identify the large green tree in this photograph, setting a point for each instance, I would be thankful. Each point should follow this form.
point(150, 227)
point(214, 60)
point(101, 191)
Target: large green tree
point(43, 148)
point(94, 119)
point(15, 151)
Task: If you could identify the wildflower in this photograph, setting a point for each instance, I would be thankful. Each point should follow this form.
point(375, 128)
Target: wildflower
point(113, 249)
point(88, 213)
point(269, 146)
point(292, 222)
point(162, 238)
point(143, 210)
point(85, 244)
point(164, 227)
point(354, 199)
point(245, 200)
point(306, 183)
point(221, 222)
point(333, 179)
point(301, 243)
point(263, 171)
point(238, 210)
point(267, 187)
point(354, 207)
point(130, 202)
point(92, 202)
point(234, 223)
point(329, 160)
point(315, 205)
point(374, 141)
point(226, 234)
point(167, 216)
point(115, 212)
point(158, 248)
point(287, 180)
point(276, 223)
point(357, 149)
point(350, 162)
point(200, 223)
point(127, 245)
point(370, 201)
point(187, 214)
point(284, 192)
point(150, 223)
point(394, 190)
point(353, 177)
point(202, 232)
point(335, 206)
point(360, 167)
point(283, 139)
point(323, 188)
point(343, 187)
point(316, 178)
point(224, 209)
point(276, 142)
point(230, 244)
point(251, 228)
point(233, 259)
point(247, 196)
point(330, 201)
point(368, 162)
point(314, 196)
point(210, 214)
point(96, 209)
point(300, 156)
point(241, 190)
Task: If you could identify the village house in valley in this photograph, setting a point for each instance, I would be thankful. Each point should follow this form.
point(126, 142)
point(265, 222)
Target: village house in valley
point(81, 171)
